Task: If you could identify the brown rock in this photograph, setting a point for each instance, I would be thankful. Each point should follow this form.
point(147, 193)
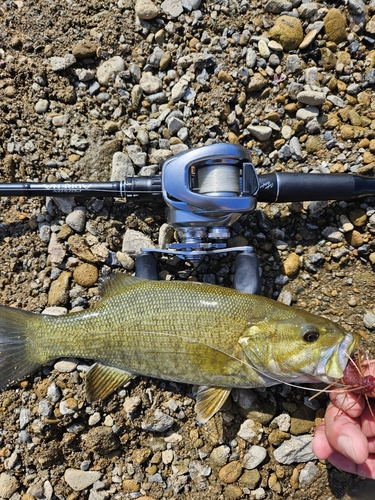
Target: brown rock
point(355, 118)
point(368, 157)
point(291, 264)
point(86, 275)
point(79, 247)
point(101, 439)
point(250, 478)
point(230, 472)
point(129, 485)
point(328, 58)
point(335, 26)
point(313, 144)
point(358, 217)
point(354, 238)
point(224, 77)
point(232, 492)
point(84, 48)
point(288, 32)
point(257, 82)
point(59, 291)
point(372, 146)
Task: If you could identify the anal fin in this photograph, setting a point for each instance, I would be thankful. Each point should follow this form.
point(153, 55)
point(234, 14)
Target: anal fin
point(209, 401)
point(102, 380)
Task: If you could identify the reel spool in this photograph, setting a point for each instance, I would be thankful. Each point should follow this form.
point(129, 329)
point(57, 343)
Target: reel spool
point(206, 190)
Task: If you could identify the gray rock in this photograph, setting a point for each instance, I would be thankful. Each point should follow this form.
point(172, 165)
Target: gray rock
point(158, 422)
point(25, 414)
point(79, 480)
point(308, 10)
point(61, 63)
point(313, 126)
point(337, 101)
point(282, 421)
point(369, 320)
point(41, 106)
point(356, 7)
point(198, 59)
point(77, 219)
point(295, 449)
point(172, 8)
point(254, 457)
point(308, 473)
point(44, 232)
point(311, 97)
point(180, 88)
point(53, 392)
point(134, 241)
point(251, 58)
point(65, 365)
point(331, 233)
point(278, 6)
point(307, 113)
point(295, 148)
point(260, 132)
point(174, 124)
point(79, 142)
point(137, 156)
point(293, 64)
point(45, 408)
point(190, 5)
point(109, 68)
point(56, 250)
point(122, 166)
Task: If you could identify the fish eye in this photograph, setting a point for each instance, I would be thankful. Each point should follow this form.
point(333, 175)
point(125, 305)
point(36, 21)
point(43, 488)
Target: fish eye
point(311, 335)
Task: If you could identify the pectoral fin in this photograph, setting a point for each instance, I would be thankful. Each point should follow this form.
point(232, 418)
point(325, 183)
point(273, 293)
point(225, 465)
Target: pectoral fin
point(209, 401)
point(102, 380)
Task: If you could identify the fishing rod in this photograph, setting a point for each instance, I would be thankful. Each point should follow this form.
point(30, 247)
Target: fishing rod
point(206, 190)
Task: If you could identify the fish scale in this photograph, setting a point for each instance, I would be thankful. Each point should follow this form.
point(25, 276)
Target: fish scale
point(206, 335)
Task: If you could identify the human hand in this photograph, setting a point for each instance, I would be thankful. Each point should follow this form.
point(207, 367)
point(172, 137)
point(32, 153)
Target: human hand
point(346, 437)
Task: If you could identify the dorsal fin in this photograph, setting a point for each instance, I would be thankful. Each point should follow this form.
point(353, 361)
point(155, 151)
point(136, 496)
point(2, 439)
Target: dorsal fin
point(209, 401)
point(118, 283)
point(102, 380)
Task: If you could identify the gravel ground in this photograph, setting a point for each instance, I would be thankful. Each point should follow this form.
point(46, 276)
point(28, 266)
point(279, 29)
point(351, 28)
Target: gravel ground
point(95, 91)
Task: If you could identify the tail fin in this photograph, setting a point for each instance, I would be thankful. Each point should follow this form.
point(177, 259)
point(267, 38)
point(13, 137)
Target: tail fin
point(16, 356)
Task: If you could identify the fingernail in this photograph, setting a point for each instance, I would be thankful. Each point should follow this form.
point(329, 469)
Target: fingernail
point(345, 444)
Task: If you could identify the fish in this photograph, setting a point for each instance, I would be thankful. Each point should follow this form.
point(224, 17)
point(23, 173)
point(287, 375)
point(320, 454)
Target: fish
point(206, 335)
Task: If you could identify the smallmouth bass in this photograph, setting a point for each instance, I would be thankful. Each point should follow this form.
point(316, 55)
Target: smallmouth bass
point(214, 337)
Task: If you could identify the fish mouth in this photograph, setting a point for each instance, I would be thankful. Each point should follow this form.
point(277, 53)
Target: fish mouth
point(334, 360)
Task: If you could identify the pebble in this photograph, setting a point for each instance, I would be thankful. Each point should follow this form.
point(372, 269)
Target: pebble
point(109, 68)
point(292, 264)
point(41, 106)
point(158, 422)
point(230, 472)
point(296, 449)
point(134, 241)
point(79, 480)
point(308, 473)
point(254, 457)
point(251, 431)
point(25, 414)
point(86, 275)
point(77, 219)
point(146, 9)
point(8, 485)
point(260, 132)
point(311, 97)
point(369, 320)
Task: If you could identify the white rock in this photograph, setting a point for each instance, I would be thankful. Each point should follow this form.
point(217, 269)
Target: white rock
point(41, 106)
point(172, 8)
point(260, 132)
point(79, 480)
point(8, 485)
point(150, 84)
point(109, 68)
point(65, 366)
point(311, 97)
point(307, 113)
point(146, 9)
point(77, 219)
point(254, 457)
point(61, 63)
point(180, 88)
